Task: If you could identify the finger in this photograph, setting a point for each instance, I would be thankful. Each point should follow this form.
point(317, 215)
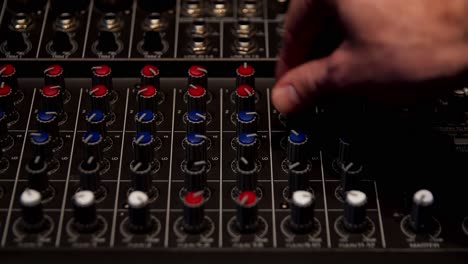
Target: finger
point(302, 85)
point(303, 23)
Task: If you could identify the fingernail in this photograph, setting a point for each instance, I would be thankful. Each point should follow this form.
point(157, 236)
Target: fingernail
point(291, 93)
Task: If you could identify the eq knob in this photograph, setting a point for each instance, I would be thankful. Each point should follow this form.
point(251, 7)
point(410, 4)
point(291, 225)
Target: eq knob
point(422, 211)
point(297, 144)
point(84, 212)
point(139, 217)
point(32, 214)
point(102, 75)
point(198, 75)
point(298, 177)
point(246, 122)
point(247, 145)
point(156, 6)
point(302, 212)
point(145, 121)
point(142, 179)
point(196, 122)
point(48, 121)
point(53, 76)
point(350, 176)
point(113, 5)
point(41, 144)
point(196, 98)
point(37, 174)
point(147, 98)
point(99, 98)
point(6, 99)
point(195, 148)
point(245, 75)
point(96, 121)
point(247, 212)
point(245, 98)
point(90, 179)
point(246, 180)
point(150, 76)
point(16, 42)
point(52, 98)
point(107, 42)
point(8, 76)
point(143, 144)
point(195, 177)
point(348, 154)
point(92, 145)
point(194, 212)
point(355, 215)
point(61, 42)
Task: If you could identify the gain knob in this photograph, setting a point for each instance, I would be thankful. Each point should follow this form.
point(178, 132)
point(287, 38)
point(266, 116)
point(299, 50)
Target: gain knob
point(52, 98)
point(246, 122)
point(6, 99)
point(8, 76)
point(102, 75)
point(84, 212)
point(32, 214)
point(99, 98)
point(302, 212)
point(245, 75)
point(196, 122)
point(247, 145)
point(245, 98)
point(422, 212)
point(90, 179)
point(194, 212)
point(143, 144)
point(195, 177)
point(198, 75)
point(196, 98)
point(247, 212)
point(150, 76)
point(145, 121)
point(96, 121)
point(297, 149)
point(53, 76)
point(37, 174)
point(49, 122)
point(195, 148)
point(147, 98)
point(139, 217)
point(355, 215)
point(92, 145)
point(142, 179)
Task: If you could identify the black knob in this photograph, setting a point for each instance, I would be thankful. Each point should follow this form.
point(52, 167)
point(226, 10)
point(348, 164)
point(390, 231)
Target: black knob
point(8, 76)
point(143, 144)
point(195, 177)
point(247, 215)
point(48, 121)
point(52, 98)
point(69, 6)
point(194, 212)
point(84, 212)
point(298, 177)
point(113, 5)
point(16, 42)
point(152, 41)
point(422, 212)
point(297, 149)
point(90, 179)
point(246, 122)
point(37, 174)
point(142, 179)
point(196, 98)
point(196, 122)
point(42, 145)
point(96, 121)
point(457, 105)
point(150, 76)
point(102, 75)
point(92, 145)
point(6, 99)
point(348, 154)
point(145, 121)
point(139, 217)
point(107, 42)
point(147, 98)
point(198, 75)
point(99, 97)
point(26, 5)
point(156, 6)
point(355, 215)
point(53, 75)
point(61, 42)
point(246, 180)
point(245, 98)
point(302, 212)
point(247, 145)
point(245, 74)
point(32, 213)
point(350, 176)
point(195, 148)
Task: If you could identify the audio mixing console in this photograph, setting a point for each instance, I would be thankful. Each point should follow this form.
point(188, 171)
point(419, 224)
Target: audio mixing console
point(143, 131)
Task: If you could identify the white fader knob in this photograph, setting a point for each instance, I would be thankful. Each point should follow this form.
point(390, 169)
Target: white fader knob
point(421, 213)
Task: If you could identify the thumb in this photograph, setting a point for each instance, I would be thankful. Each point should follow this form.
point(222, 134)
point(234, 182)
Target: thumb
point(300, 86)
